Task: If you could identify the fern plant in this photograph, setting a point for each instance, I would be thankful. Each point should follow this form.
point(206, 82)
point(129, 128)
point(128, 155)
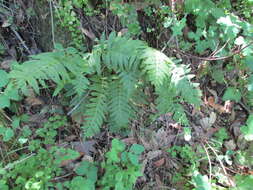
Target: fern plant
point(110, 79)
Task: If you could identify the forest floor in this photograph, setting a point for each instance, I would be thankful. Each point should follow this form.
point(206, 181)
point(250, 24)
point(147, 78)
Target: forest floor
point(214, 147)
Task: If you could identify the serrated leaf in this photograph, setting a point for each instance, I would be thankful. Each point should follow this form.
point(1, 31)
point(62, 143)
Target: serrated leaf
point(88, 170)
point(232, 93)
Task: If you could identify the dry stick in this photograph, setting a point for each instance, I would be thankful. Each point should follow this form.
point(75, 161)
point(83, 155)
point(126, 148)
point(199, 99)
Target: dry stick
point(21, 40)
point(222, 166)
point(211, 58)
point(209, 161)
point(219, 50)
point(9, 166)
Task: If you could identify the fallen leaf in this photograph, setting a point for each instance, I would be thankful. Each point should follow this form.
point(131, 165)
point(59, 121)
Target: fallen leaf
point(154, 154)
point(160, 162)
point(87, 33)
point(230, 145)
point(129, 141)
point(228, 106)
point(208, 122)
point(85, 147)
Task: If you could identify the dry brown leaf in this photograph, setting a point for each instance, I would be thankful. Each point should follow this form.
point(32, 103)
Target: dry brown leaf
point(85, 148)
point(228, 106)
point(208, 122)
point(154, 154)
point(158, 181)
point(88, 33)
point(129, 141)
point(159, 163)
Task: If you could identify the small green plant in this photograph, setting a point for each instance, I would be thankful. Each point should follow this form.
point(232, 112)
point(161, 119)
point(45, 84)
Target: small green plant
point(86, 179)
point(68, 18)
point(220, 136)
point(187, 154)
point(31, 170)
point(121, 166)
point(127, 15)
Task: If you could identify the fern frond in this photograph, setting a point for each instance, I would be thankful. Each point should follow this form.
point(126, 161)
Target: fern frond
point(168, 102)
point(122, 53)
point(181, 79)
point(97, 107)
point(129, 81)
point(156, 65)
point(119, 106)
point(60, 67)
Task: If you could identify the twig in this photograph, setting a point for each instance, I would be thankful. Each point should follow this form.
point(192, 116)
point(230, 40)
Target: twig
point(213, 58)
point(9, 166)
point(209, 161)
point(21, 40)
point(222, 166)
point(219, 50)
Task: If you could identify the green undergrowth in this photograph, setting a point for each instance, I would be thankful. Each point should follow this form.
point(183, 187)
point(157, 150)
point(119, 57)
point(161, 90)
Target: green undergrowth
point(40, 168)
point(108, 87)
point(111, 78)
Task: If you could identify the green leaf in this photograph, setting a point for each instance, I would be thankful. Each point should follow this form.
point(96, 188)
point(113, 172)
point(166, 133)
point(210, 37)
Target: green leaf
point(118, 145)
point(3, 78)
point(8, 134)
point(244, 182)
point(156, 65)
point(178, 27)
point(4, 101)
point(201, 182)
point(137, 149)
point(133, 158)
point(232, 94)
point(88, 170)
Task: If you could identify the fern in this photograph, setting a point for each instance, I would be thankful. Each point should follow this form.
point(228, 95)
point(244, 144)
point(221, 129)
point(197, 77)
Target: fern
point(156, 66)
point(119, 106)
point(186, 89)
point(106, 85)
point(97, 107)
point(172, 84)
point(61, 67)
point(168, 102)
point(122, 53)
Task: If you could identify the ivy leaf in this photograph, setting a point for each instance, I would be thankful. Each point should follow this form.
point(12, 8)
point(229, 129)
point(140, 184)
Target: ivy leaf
point(3, 78)
point(232, 94)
